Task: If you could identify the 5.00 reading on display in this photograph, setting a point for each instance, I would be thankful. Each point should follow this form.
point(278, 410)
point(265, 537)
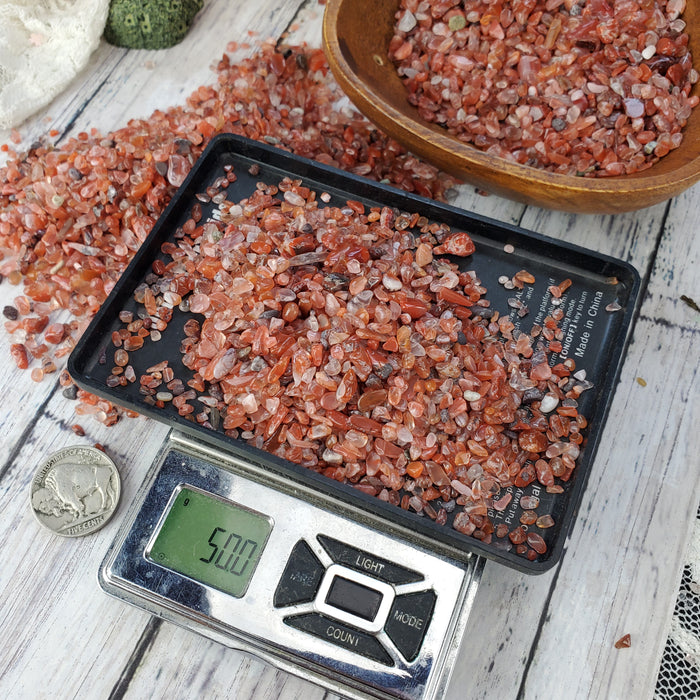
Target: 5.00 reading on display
point(238, 556)
point(201, 529)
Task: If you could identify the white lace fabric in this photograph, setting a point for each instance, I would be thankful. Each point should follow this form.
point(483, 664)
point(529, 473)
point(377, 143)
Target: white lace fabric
point(44, 44)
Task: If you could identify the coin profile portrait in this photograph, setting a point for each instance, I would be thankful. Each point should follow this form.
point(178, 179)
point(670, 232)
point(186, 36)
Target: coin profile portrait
point(75, 491)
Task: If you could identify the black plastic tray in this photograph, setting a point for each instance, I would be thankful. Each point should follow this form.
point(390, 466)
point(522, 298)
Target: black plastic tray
point(594, 337)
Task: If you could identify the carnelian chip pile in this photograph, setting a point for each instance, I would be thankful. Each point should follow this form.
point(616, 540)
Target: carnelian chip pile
point(72, 216)
point(589, 88)
point(333, 336)
point(338, 338)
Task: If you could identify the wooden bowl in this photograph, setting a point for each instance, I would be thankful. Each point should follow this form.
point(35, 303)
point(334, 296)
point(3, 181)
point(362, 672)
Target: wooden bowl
point(356, 36)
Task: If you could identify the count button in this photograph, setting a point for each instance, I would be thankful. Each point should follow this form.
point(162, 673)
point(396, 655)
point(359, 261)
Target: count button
point(367, 563)
point(341, 635)
point(408, 621)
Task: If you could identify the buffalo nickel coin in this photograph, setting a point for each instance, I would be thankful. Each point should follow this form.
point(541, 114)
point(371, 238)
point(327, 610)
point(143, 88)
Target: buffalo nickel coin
point(75, 491)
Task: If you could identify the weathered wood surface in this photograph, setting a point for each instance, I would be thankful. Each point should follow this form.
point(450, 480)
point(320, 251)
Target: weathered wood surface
point(549, 636)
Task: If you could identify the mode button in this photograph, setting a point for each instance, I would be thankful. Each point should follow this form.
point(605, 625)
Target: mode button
point(408, 621)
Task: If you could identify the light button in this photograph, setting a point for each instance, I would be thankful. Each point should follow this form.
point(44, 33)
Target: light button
point(367, 563)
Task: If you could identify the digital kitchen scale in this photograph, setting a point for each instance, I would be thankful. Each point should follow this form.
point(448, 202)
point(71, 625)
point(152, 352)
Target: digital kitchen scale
point(216, 545)
point(321, 579)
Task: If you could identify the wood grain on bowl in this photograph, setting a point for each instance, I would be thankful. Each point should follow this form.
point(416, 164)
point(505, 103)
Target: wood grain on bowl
point(356, 35)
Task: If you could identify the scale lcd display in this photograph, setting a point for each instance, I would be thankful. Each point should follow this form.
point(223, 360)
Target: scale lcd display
point(210, 540)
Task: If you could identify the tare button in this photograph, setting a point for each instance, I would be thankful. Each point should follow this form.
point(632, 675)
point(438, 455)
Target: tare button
point(355, 598)
point(301, 577)
point(359, 560)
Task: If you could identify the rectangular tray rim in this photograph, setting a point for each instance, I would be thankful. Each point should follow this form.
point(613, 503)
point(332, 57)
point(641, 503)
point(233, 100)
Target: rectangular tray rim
point(379, 509)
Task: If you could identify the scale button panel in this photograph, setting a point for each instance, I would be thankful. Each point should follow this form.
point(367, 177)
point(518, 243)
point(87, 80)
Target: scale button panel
point(341, 635)
point(301, 577)
point(356, 599)
point(408, 621)
point(367, 563)
point(350, 616)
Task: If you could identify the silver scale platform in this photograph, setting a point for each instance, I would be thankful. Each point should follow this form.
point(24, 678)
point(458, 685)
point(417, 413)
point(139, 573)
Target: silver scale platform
point(276, 570)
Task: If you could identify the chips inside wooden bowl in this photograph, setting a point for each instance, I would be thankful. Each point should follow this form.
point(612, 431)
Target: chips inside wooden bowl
point(356, 36)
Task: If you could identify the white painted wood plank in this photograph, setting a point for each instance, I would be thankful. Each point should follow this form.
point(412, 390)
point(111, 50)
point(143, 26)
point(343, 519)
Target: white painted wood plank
point(630, 236)
point(56, 623)
point(21, 397)
point(181, 664)
point(510, 607)
point(500, 632)
point(621, 572)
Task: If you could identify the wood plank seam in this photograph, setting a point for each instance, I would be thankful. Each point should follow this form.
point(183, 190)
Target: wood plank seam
point(23, 438)
point(69, 126)
point(540, 625)
point(142, 647)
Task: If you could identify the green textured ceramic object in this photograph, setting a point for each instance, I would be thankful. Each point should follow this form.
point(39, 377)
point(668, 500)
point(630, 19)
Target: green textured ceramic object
point(149, 24)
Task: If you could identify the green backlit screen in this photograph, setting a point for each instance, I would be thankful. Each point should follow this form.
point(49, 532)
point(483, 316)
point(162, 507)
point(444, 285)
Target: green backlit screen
point(212, 541)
